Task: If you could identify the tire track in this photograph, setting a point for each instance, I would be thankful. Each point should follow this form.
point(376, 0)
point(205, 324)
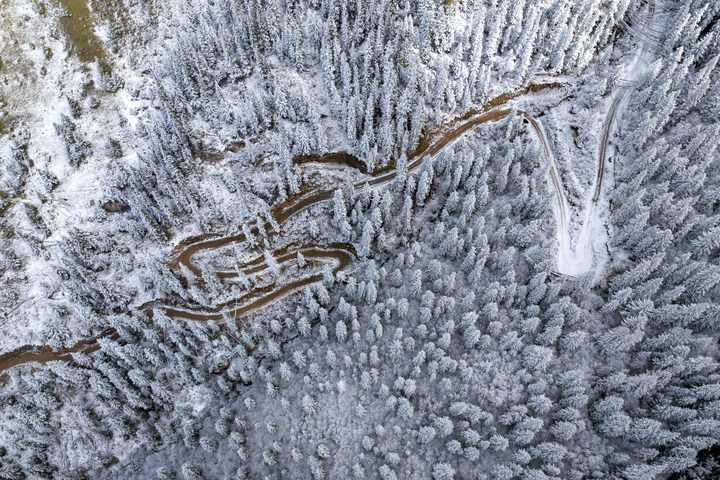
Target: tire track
point(607, 126)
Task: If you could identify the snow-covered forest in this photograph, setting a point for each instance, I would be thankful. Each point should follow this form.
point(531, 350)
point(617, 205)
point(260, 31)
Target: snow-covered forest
point(393, 239)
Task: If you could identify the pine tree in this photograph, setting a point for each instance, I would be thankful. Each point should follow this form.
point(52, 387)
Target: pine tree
point(443, 471)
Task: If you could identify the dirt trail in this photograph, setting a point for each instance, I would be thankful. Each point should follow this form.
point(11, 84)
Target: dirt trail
point(445, 134)
point(604, 143)
point(626, 81)
point(32, 353)
point(552, 172)
point(305, 200)
point(343, 255)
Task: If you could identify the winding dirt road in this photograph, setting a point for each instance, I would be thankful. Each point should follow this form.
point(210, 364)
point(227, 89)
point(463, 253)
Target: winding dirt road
point(340, 255)
point(429, 145)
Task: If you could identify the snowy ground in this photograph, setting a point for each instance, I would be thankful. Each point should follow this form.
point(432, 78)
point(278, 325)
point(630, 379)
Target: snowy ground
point(43, 67)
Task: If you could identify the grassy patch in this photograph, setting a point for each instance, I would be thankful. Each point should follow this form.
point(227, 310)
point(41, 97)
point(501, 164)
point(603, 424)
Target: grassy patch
point(79, 26)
